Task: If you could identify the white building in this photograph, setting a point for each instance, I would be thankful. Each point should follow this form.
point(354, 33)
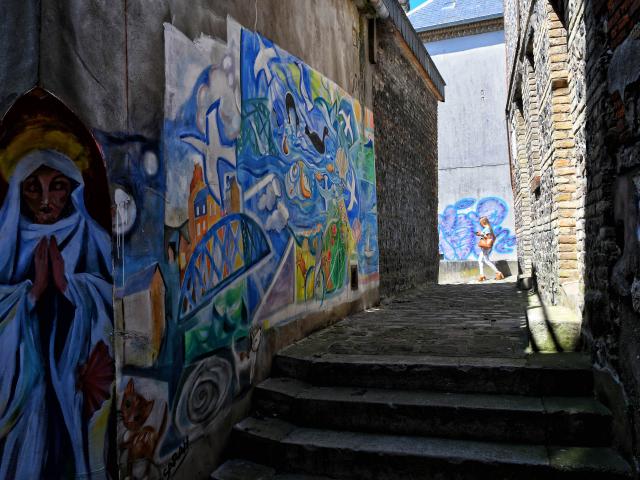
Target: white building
point(465, 38)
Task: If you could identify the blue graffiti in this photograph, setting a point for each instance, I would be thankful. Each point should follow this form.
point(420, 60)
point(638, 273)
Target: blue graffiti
point(458, 223)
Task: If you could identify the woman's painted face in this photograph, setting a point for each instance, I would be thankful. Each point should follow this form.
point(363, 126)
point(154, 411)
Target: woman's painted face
point(45, 194)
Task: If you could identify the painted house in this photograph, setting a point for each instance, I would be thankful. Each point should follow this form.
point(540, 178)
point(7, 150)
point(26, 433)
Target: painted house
point(142, 304)
point(466, 40)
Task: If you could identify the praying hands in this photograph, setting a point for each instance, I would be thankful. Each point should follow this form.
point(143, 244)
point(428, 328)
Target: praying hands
point(49, 265)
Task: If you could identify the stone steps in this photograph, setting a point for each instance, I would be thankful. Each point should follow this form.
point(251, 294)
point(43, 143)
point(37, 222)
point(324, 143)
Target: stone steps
point(369, 417)
point(368, 456)
point(246, 470)
point(524, 419)
point(567, 374)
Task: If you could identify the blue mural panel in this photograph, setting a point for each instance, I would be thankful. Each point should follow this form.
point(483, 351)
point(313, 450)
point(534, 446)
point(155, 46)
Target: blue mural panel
point(458, 223)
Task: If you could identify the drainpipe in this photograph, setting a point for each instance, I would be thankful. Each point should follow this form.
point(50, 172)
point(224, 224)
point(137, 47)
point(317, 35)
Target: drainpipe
point(380, 8)
point(508, 125)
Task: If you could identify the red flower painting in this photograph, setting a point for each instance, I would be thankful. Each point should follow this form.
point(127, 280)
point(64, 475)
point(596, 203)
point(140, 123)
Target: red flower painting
point(95, 379)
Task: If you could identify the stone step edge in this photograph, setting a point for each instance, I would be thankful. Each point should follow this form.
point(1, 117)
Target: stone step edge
point(578, 421)
point(490, 453)
point(544, 361)
point(238, 469)
point(565, 374)
point(300, 390)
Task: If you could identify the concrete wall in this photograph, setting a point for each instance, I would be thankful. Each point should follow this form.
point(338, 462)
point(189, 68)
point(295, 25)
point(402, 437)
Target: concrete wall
point(473, 157)
point(231, 200)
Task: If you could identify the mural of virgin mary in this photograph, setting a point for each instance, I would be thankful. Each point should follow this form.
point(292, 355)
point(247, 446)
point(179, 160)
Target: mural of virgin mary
point(56, 318)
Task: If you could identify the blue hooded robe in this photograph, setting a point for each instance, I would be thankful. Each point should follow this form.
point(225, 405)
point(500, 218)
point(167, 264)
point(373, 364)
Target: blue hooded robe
point(42, 427)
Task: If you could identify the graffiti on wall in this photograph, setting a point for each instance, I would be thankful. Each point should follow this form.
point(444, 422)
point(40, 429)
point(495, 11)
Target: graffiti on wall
point(458, 223)
point(263, 193)
point(55, 295)
point(256, 206)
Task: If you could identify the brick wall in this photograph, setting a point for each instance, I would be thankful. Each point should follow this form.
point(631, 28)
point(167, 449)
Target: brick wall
point(543, 91)
point(406, 166)
point(574, 107)
point(522, 193)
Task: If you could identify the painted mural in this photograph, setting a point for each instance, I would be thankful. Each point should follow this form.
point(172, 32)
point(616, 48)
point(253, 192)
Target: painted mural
point(255, 207)
point(458, 223)
point(56, 316)
point(258, 207)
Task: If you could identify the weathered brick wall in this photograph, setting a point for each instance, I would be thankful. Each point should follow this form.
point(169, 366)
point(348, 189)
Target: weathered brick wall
point(573, 20)
point(585, 91)
point(406, 167)
point(542, 86)
point(530, 102)
point(511, 36)
point(522, 193)
point(611, 150)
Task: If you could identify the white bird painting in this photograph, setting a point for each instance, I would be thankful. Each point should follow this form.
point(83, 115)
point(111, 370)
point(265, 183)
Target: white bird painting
point(265, 55)
point(212, 150)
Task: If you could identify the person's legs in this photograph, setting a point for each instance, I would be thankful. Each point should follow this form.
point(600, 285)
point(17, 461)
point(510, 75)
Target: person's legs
point(499, 275)
point(480, 265)
point(485, 257)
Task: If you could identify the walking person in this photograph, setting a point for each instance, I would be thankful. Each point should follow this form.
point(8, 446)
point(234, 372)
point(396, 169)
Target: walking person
point(487, 238)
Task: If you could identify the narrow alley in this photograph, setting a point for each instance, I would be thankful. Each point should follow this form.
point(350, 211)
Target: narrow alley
point(320, 239)
point(454, 320)
point(435, 384)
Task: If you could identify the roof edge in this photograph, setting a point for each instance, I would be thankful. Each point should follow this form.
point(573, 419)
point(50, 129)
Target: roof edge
point(441, 26)
point(399, 18)
point(464, 30)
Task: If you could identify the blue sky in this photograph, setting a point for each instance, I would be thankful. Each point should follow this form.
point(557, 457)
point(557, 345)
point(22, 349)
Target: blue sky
point(415, 3)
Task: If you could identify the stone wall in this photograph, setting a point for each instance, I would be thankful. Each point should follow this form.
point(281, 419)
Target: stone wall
point(522, 194)
point(542, 91)
point(407, 160)
point(610, 148)
point(580, 58)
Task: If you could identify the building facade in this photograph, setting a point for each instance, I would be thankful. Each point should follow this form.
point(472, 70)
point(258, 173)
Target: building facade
point(546, 89)
point(573, 78)
point(466, 42)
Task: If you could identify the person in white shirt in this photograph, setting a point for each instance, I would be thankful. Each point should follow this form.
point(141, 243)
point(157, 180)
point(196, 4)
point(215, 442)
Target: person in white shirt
point(487, 237)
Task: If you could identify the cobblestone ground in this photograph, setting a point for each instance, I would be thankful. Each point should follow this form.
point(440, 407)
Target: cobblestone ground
point(440, 320)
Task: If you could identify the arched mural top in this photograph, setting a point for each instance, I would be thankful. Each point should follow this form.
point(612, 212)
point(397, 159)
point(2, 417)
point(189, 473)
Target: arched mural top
point(38, 120)
point(56, 295)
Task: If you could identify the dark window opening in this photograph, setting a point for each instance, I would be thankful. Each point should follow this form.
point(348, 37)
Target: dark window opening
point(560, 9)
point(354, 277)
point(529, 51)
point(372, 44)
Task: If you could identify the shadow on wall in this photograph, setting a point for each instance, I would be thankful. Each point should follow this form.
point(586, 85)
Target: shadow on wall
point(458, 223)
point(610, 152)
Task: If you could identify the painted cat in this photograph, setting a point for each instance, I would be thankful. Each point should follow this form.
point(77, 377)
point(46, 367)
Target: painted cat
point(140, 440)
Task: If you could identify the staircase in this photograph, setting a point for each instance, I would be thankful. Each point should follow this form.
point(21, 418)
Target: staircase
point(428, 418)
point(348, 415)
